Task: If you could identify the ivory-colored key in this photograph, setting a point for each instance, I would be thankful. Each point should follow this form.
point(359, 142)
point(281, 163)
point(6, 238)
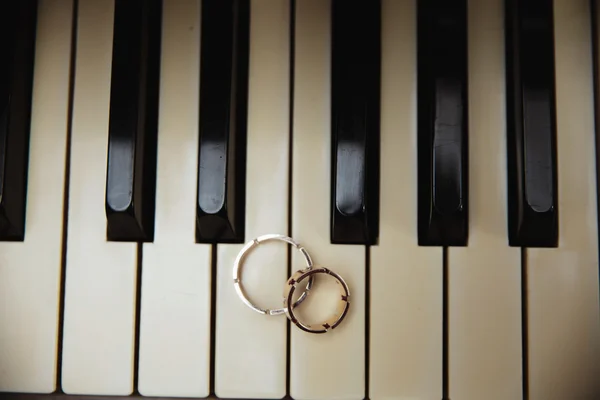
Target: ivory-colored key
point(330, 365)
point(100, 291)
point(406, 280)
point(484, 278)
point(176, 271)
point(30, 271)
point(563, 309)
point(250, 352)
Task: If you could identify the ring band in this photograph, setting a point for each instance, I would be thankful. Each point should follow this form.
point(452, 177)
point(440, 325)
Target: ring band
point(237, 280)
point(343, 305)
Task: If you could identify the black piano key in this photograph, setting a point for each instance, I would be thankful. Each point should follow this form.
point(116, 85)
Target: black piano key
point(17, 41)
point(223, 117)
point(442, 123)
point(355, 105)
point(531, 124)
point(132, 136)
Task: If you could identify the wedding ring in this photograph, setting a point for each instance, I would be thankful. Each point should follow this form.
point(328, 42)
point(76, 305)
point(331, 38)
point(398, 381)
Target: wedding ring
point(343, 302)
point(237, 280)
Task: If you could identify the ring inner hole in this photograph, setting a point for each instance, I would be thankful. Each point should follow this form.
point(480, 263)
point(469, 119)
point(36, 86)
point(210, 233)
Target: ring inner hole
point(262, 270)
point(322, 303)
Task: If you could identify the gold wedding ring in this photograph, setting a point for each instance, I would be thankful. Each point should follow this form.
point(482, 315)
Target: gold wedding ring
point(343, 301)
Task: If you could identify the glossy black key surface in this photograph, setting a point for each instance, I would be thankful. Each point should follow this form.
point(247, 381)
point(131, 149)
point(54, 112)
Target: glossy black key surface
point(17, 41)
point(132, 136)
point(442, 123)
point(355, 104)
point(223, 116)
point(531, 124)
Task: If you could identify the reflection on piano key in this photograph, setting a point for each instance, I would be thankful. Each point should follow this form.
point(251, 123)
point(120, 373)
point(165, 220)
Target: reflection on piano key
point(310, 226)
point(406, 290)
point(30, 271)
point(100, 283)
point(484, 279)
point(531, 123)
point(223, 117)
point(443, 124)
point(17, 41)
point(563, 310)
point(355, 65)
point(131, 171)
point(176, 280)
point(250, 349)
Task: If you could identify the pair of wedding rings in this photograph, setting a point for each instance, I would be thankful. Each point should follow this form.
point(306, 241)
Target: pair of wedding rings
point(291, 285)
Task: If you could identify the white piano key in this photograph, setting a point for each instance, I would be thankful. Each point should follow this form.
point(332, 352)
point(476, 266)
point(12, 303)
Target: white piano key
point(250, 353)
point(176, 272)
point(331, 365)
point(484, 278)
point(30, 271)
point(406, 280)
point(562, 283)
point(100, 291)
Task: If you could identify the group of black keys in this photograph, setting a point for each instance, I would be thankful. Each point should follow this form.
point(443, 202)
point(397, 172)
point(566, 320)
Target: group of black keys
point(443, 184)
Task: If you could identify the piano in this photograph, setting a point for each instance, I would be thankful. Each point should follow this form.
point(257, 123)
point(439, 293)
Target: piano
point(440, 156)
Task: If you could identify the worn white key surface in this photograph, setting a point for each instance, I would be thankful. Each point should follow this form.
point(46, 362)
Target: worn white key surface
point(30, 270)
point(563, 307)
point(406, 280)
point(484, 278)
point(99, 322)
point(250, 354)
point(330, 365)
point(176, 272)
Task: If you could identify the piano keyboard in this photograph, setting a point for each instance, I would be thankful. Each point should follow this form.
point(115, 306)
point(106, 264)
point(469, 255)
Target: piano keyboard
point(439, 155)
